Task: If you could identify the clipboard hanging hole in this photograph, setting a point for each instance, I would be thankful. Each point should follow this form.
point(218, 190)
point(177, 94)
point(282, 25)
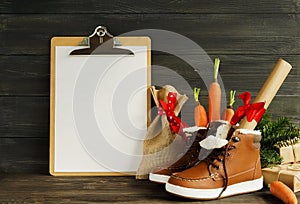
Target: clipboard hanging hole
point(101, 31)
point(101, 37)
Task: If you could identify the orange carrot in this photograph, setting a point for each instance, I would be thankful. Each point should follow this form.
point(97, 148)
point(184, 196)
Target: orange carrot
point(229, 112)
point(214, 96)
point(200, 116)
point(283, 192)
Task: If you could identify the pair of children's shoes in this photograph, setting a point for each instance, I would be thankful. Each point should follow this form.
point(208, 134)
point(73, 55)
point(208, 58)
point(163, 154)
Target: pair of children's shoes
point(229, 170)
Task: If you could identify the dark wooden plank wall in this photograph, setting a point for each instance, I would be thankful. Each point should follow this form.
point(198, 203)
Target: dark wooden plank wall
point(247, 35)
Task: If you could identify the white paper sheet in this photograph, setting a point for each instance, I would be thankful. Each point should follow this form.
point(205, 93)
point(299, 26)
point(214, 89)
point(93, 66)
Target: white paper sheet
point(100, 111)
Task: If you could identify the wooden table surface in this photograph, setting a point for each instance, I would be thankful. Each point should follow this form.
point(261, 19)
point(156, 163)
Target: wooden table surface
point(43, 188)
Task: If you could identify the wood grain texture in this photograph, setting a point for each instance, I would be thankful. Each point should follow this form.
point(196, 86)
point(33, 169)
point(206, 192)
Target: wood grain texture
point(24, 117)
point(29, 75)
point(247, 35)
point(24, 155)
point(215, 33)
point(239, 72)
point(24, 75)
point(153, 6)
point(39, 188)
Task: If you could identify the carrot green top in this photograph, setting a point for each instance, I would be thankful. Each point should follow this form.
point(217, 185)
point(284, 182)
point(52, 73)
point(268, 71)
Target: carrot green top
point(216, 68)
point(231, 97)
point(196, 94)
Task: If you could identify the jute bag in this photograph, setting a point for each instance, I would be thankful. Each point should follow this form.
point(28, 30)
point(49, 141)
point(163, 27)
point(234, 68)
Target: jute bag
point(161, 145)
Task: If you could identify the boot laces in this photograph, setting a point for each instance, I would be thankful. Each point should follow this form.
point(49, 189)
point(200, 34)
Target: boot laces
point(219, 155)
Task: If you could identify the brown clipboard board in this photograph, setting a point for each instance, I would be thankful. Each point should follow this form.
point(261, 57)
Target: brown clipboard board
point(83, 41)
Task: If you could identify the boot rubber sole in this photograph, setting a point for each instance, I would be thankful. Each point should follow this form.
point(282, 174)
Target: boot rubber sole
point(159, 178)
point(209, 194)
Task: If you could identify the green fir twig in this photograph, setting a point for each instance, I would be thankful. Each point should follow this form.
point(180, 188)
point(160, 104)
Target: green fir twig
point(275, 134)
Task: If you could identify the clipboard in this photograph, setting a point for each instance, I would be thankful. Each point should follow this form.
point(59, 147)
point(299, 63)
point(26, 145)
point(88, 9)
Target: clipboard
point(99, 104)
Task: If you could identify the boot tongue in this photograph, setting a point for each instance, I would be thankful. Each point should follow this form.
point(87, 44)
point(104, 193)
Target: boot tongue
point(217, 134)
point(219, 129)
point(217, 153)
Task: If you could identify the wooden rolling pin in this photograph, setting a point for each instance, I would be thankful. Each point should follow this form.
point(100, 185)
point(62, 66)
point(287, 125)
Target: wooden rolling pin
point(269, 89)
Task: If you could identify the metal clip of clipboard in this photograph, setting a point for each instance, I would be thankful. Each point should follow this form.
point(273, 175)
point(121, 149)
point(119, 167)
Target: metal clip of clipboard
point(101, 42)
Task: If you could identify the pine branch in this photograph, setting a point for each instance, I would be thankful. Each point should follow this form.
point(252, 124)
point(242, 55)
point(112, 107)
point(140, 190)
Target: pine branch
point(281, 131)
point(269, 158)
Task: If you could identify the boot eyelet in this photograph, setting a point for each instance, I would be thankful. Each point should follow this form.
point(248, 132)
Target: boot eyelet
point(231, 147)
point(235, 139)
point(216, 166)
point(227, 154)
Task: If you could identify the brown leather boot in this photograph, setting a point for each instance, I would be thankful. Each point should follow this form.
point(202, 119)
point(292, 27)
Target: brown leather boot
point(233, 169)
point(189, 159)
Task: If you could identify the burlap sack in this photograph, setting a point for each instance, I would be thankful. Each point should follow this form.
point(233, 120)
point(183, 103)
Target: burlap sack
point(161, 145)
